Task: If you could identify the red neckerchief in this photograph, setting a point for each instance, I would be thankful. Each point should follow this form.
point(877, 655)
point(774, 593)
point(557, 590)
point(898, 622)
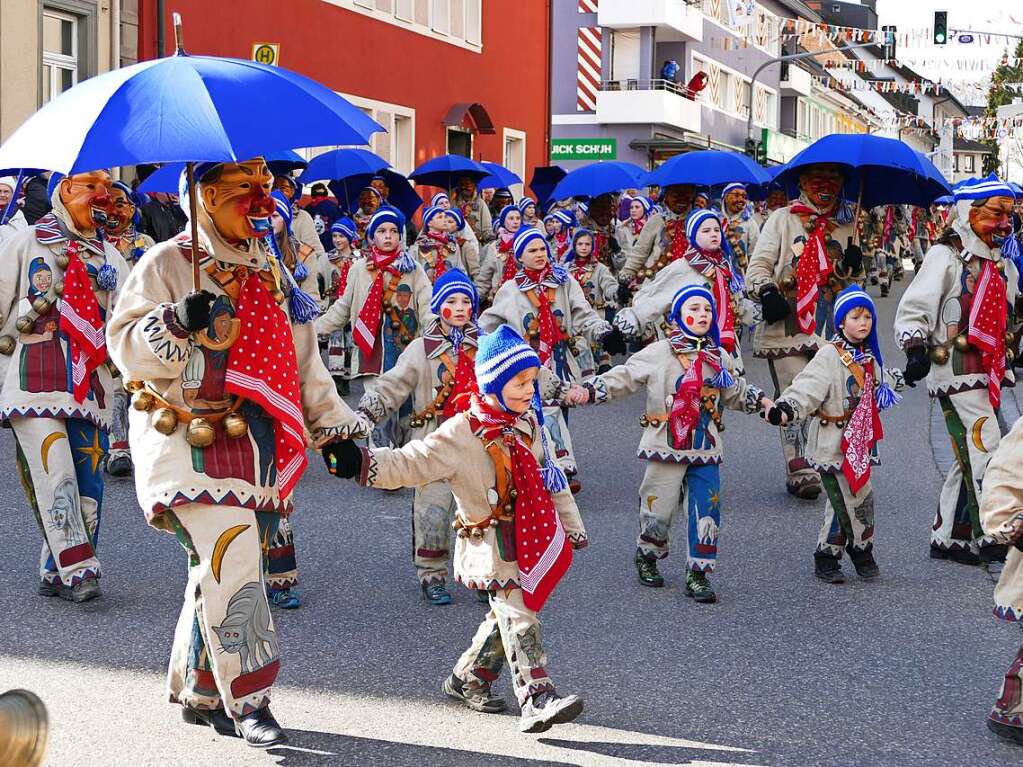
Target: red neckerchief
point(550, 332)
point(637, 225)
point(342, 282)
point(676, 229)
point(367, 324)
point(80, 320)
point(465, 385)
point(861, 433)
point(543, 550)
point(686, 402)
point(580, 268)
point(813, 268)
point(562, 244)
point(440, 247)
point(507, 248)
point(987, 327)
point(704, 262)
point(263, 368)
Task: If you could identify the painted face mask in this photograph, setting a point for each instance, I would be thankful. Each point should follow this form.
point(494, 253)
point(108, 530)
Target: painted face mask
point(991, 221)
point(735, 201)
point(238, 199)
point(822, 185)
point(86, 196)
point(122, 212)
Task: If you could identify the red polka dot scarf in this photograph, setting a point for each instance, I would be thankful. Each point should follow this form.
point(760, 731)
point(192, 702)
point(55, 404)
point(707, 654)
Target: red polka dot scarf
point(367, 324)
point(80, 319)
point(987, 327)
point(813, 268)
point(263, 368)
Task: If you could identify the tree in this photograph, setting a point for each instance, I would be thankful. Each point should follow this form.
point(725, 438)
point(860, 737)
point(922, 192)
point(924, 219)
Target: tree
point(999, 95)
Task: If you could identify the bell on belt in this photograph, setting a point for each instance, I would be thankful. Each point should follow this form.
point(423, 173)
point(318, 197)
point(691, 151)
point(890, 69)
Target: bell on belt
point(789, 283)
point(134, 386)
point(1010, 339)
point(143, 402)
point(200, 433)
point(41, 305)
point(63, 260)
point(235, 426)
point(24, 729)
point(1010, 355)
point(58, 287)
point(962, 342)
point(939, 355)
point(7, 344)
point(24, 324)
point(165, 421)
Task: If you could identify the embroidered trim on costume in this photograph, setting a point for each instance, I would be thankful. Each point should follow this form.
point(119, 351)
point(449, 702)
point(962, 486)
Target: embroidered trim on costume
point(58, 412)
point(164, 342)
point(230, 498)
point(650, 454)
point(792, 351)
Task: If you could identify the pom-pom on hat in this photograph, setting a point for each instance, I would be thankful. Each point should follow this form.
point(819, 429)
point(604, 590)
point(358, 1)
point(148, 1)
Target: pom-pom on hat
point(696, 219)
point(345, 227)
point(685, 293)
point(383, 216)
point(450, 283)
point(526, 236)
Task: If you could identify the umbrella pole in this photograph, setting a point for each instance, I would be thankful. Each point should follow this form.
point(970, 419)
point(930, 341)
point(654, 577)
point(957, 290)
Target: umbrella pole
point(193, 216)
point(856, 219)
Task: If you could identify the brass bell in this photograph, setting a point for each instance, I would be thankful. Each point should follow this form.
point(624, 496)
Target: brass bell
point(200, 433)
point(134, 386)
point(58, 287)
point(789, 283)
point(415, 423)
point(143, 402)
point(1001, 266)
point(41, 305)
point(508, 508)
point(165, 421)
point(476, 534)
point(24, 323)
point(63, 260)
point(939, 355)
point(1010, 355)
point(962, 343)
point(395, 325)
point(1010, 339)
point(513, 494)
point(235, 426)
point(7, 344)
point(24, 729)
point(824, 422)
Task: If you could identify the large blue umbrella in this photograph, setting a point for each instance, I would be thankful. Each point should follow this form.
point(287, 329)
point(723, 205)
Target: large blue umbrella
point(545, 178)
point(878, 170)
point(500, 177)
point(403, 195)
point(598, 178)
point(342, 163)
point(707, 167)
point(445, 170)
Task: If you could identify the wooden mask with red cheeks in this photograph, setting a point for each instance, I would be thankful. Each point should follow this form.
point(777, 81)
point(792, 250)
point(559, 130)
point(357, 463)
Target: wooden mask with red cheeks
point(601, 209)
point(237, 198)
point(991, 220)
point(123, 210)
point(679, 198)
point(777, 198)
point(822, 185)
point(86, 196)
point(736, 200)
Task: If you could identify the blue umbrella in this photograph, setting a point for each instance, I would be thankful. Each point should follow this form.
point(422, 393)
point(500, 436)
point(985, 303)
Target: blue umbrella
point(443, 171)
point(707, 167)
point(598, 178)
point(342, 163)
point(165, 179)
point(284, 161)
point(545, 178)
point(879, 171)
point(403, 195)
point(500, 177)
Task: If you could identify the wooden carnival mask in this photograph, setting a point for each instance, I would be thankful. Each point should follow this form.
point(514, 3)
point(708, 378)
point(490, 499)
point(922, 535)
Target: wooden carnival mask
point(601, 210)
point(122, 212)
point(735, 201)
point(822, 185)
point(86, 196)
point(237, 198)
point(678, 198)
point(991, 220)
point(777, 198)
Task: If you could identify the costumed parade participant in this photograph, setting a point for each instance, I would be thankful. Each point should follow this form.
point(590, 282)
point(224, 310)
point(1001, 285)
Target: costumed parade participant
point(663, 238)
point(300, 259)
point(437, 249)
point(12, 218)
point(956, 324)
point(334, 271)
point(550, 310)
point(804, 256)
point(369, 202)
point(121, 230)
point(601, 290)
point(498, 264)
point(842, 392)
point(527, 206)
point(640, 209)
point(495, 458)
point(324, 212)
point(474, 210)
point(560, 224)
point(597, 215)
point(387, 301)
point(741, 227)
point(227, 381)
point(683, 447)
point(302, 226)
point(58, 282)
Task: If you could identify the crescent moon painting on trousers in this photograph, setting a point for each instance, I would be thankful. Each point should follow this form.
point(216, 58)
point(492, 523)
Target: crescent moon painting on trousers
point(44, 449)
point(978, 426)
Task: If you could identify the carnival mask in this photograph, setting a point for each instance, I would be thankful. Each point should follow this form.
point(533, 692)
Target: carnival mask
point(122, 212)
point(735, 201)
point(86, 196)
point(678, 198)
point(466, 187)
point(237, 198)
point(822, 184)
point(777, 198)
point(991, 221)
point(601, 210)
point(381, 186)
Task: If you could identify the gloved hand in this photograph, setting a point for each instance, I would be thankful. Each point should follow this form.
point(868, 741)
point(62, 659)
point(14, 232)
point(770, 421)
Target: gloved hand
point(625, 320)
point(343, 459)
point(193, 311)
point(918, 364)
point(614, 342)
point(775, 306)
point(852, 259)
point(774, 414)
point(624, 294)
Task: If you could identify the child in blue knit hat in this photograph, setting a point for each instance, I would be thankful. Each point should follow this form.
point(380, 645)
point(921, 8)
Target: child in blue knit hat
point(333, 279)
point(438, 248)
point(688, 379)
point(844, 389)
point(517, 522)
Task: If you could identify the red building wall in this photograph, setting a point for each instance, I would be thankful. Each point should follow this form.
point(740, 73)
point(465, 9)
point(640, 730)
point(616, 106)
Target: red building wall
point(357, 54)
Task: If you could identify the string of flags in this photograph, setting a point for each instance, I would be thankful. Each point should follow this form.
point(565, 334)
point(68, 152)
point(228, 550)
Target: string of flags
point(962, 65)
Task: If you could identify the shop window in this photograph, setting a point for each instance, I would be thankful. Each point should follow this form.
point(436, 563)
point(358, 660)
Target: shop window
point(60, 62)
point(459, 142)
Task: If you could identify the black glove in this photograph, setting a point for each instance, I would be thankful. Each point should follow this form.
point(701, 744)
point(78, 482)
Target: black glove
point(343, 459)
point(776, 307)
point(614, 342)
point(774, 413)
point(918, 365)
point(193, 311)
point(624, 294)
point(852, 259)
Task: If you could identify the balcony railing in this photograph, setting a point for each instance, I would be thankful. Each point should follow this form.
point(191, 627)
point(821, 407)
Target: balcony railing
point(635, 84)
point(653, 102)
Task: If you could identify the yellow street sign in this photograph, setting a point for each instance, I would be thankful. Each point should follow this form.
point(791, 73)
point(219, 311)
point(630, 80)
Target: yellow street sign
point(266, 53)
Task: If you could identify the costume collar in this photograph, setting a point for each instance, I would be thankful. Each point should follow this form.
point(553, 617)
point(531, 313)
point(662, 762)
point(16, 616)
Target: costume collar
point(250, 253)
point(554, 278)
point(436, 343)
point(56, 226)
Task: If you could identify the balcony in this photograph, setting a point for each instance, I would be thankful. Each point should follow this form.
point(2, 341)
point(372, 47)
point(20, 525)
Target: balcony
point(648, 102)
point(675, 20)
point(795, 81)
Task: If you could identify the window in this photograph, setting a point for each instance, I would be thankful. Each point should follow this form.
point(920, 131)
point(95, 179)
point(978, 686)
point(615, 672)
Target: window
point(397, 145)
point(60, 53)
point(968, 159)
point(440, 20)
point(515, 155)
point(955, 165)
point(459, 22)
point(459, 142)
point(403, 9)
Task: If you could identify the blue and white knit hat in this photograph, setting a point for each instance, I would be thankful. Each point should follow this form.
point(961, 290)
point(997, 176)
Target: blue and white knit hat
point(525, 203)
point(582, 231)
point(852, 297)
point(566, 217)
point(386, 215)
point(450, 283)
point(345, 227)
point(456, 215)
point(526, 236)
point(283, 208)
point(499, 221)
point(644, 201)
point(500, 356)
point(436, 200)
point(732, 187)
point(983, 188)
point(430, 213)
point(696, 219)
point(301, 306)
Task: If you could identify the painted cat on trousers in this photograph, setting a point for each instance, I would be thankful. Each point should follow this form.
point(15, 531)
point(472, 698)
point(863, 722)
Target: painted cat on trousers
point(246, 630)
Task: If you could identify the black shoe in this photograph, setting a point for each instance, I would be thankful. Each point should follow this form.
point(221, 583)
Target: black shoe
point(698, 587)
point(480, 699)
point(1006, 731)
point(956, 554)
point(82, 591)
point(216, 718)
point(884, 290)
point(436, 593)
point(260, 730)
point(49, 589)
point(119, 465)
point(827, 568)
point(647, 569)
point(865, 565)
point(545, 709)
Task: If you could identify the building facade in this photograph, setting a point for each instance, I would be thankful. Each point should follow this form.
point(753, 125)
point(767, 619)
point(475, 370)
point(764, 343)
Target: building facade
point(440, 75)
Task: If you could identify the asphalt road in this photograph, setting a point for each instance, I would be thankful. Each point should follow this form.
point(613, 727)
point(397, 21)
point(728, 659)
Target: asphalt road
point(784, 670)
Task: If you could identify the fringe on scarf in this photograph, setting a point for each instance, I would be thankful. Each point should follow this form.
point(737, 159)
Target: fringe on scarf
point(553, 476)
point(301, 306)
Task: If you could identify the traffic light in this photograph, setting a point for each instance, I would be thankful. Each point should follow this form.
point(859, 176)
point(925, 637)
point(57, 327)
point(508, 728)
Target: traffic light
point(888, 47)
point(762, 153)
point(751, 147)
point(940, 27)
